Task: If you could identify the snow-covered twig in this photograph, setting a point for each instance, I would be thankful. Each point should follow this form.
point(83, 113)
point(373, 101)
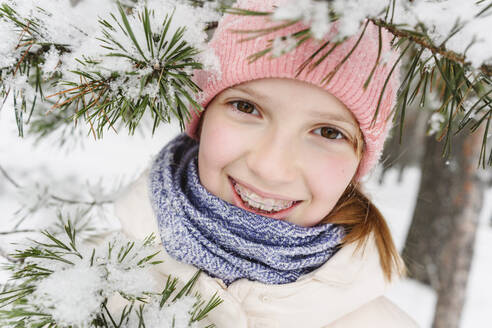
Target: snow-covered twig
point(62, 283)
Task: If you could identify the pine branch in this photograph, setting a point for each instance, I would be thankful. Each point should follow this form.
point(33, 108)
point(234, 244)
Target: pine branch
point(425, 43)
point(3, 233)
point(32, 300)
point(80, 202)
point(8, 177)
point(41, 197)
point(211, 304)
point(28, 64)
point(160, 76)
point(159, 79)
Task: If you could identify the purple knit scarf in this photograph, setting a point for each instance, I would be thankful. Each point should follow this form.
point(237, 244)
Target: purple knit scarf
point(226, 241)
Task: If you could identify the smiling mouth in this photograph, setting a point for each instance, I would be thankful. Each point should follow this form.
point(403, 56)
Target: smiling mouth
point(251, 201)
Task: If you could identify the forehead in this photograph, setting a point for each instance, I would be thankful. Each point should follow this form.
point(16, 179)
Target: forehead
point(303, 96)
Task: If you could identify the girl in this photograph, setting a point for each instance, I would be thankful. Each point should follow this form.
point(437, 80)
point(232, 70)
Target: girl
point(263, 193)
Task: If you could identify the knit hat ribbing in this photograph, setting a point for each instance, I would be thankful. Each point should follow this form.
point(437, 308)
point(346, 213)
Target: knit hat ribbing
point(347, 84)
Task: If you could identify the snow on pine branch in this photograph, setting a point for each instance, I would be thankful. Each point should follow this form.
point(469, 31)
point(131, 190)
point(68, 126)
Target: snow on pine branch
point(114, 66)
point(61, 283)
point(145, 61)
point(44, 202)
point(461, 26)
point(35, 35)
point(131, 55)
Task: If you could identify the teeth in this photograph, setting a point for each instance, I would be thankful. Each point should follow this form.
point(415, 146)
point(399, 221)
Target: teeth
point(257, 202)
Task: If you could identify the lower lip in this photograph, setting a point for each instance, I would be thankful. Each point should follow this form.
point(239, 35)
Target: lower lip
point(280, 215)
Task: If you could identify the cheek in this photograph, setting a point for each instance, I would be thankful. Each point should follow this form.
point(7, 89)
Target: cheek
point(215, 147)
point(218, 148)
point(328, 179)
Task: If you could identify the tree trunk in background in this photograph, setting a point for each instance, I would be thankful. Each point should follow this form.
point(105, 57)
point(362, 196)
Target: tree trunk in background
point(410, 151)
point(439, 246)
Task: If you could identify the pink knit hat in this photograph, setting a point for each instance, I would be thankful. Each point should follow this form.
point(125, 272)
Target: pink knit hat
point(347, 84)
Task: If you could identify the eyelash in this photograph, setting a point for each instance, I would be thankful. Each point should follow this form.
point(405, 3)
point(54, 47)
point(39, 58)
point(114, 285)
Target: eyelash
point(234, 104)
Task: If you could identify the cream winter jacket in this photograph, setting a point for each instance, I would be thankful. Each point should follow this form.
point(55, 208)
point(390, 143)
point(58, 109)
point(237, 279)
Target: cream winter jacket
point(347, 291)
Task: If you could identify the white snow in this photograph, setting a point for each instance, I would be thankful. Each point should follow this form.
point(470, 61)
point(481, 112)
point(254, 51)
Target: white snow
point(309, 12)
point(8, 54)
point(78, 29)
point(282, 45)
point(19, 84)
point(439, 18)
point(354, 12)
point(71, 295)
point(435, 123)
point(51, 64)
point(176, 314)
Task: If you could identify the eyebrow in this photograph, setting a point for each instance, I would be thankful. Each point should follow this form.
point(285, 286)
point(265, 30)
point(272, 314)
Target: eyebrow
point(251, 92)
point(313, 112)
point(332, 116)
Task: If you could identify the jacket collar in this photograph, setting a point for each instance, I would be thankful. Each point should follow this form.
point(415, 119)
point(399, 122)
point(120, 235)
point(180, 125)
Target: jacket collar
point(345, 266)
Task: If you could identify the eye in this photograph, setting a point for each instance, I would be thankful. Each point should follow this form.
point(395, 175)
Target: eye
point(329, 133)
point(244, 107)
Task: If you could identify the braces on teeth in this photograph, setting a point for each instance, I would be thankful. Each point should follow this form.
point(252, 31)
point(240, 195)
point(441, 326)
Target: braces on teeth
point(259, 203)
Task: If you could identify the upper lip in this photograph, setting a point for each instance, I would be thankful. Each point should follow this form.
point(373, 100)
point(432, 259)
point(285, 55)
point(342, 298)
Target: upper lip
point(263, 193)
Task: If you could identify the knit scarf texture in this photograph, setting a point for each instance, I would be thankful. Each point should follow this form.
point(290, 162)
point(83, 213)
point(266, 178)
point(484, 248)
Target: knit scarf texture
point(227, 242)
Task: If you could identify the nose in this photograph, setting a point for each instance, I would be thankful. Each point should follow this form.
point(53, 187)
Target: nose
point(272, 159)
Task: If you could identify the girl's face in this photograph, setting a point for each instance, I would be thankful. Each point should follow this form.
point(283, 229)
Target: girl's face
point(281, 148)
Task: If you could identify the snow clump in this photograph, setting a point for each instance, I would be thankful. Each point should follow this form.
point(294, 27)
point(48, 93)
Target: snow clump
point(75, 290)
point(312, 13)
point(173, 315)
point(71, 296)
point(282, 45)
point(435, 123)
point(463, 19)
